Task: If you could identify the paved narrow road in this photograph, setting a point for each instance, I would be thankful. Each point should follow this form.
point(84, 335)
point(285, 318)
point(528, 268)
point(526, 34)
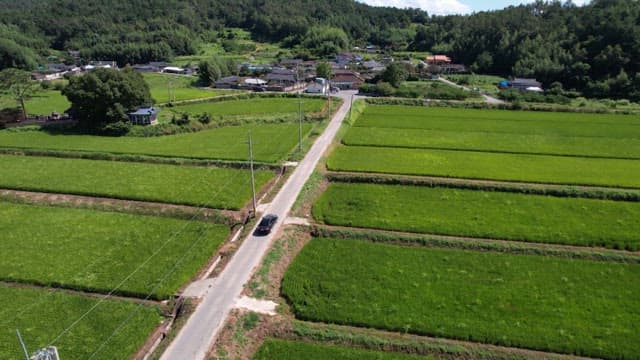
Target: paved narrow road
point(487, 98)
point(197, 336)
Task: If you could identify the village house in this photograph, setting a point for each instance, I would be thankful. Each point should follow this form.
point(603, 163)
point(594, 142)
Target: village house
point(524, 84)
point(346, 80)
point(280, 79)
point(145, 115)
point(228, 82)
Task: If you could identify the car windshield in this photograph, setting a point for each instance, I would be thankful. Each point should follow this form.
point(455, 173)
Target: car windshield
point(265, 221)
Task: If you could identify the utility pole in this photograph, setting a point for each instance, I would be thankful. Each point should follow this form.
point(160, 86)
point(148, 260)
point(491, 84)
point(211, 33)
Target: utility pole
point(253, 181)
point(351, 107)
point(24, 347)
point(299, 123)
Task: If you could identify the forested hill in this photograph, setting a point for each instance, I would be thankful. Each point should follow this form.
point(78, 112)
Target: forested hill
point(594, 49)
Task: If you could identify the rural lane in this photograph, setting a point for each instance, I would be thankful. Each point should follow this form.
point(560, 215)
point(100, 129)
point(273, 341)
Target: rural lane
point(489, 99)
point(197, 336)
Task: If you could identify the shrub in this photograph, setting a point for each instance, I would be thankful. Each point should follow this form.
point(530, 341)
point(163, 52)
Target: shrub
point(119, 128)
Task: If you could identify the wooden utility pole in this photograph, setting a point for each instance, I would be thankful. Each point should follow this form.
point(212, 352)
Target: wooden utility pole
point(253, 181)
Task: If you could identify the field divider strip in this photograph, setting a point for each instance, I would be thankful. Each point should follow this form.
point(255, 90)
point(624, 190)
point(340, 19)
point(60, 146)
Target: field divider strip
point(137, 158)
point(409, 239)
point(556, 190)
point(481, 151)
point(381, 340)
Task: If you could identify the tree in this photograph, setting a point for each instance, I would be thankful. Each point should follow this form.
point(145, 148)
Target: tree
point(20, 85)
point(104, 97)
point(323, 70)
point(394, 74)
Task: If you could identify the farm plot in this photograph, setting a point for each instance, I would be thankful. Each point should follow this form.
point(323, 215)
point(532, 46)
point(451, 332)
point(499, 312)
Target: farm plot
point(294, 350)
point(212, 187)
point(552, 304)
point(489, 166)
point(501, 121)
point(43, 102)
point(179, 87)
point(494, 142)
point(41, 315)
point(97, 251)
point(255, 106)
point(535, 218)
point(272, 142)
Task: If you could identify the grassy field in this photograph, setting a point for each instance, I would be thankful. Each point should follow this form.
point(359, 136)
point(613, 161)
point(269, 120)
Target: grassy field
point(553, 304)
point(96, 251)
point(253, 107)
point(433, 90)
point(272, 142)
point(294, 350)
point(489, 166)
point(501, 121)
point(214, 187)
point(183, 88)
point(41, 315)
point(492, 141)
point(42, 103)
point(487, 83)
point(572, 221)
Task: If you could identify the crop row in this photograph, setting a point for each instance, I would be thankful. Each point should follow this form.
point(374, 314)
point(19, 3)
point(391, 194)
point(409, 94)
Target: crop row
point(488, 166)
point(272, 142)
point(42, 315)
point(199, 186)
point(99, 251)
point(545, 303)
point(498, 215)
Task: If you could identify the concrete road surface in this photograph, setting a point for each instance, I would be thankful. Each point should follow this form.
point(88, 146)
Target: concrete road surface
point(197, 336)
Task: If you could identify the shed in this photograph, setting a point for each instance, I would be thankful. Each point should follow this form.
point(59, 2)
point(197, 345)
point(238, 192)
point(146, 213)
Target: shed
point(146, 115)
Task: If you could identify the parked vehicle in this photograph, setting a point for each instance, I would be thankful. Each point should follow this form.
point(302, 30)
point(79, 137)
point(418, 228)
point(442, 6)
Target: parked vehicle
point(266, 224)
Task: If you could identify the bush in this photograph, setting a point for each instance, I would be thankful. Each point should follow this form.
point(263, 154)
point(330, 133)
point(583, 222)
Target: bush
point(204, 118)
point(45, 84)
point(385, 89)
point(119, 128)
point(182, 120)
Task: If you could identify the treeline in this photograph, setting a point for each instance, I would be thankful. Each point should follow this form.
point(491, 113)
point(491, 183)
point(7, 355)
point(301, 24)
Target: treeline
point(593, 49)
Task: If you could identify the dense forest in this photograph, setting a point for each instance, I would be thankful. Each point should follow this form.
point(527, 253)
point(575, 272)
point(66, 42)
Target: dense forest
point(594, 49)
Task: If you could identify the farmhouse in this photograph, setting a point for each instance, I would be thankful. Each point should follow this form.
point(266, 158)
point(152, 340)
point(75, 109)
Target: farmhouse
point(438, 60)
point(283, 80)
point(228, 82)
point(146, 115)
point(347, 80)
point(524, 84)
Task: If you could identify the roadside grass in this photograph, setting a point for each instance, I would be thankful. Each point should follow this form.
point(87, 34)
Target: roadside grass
point(182, 88)
point(97, 251)
point(566, 306)
point(41, 315)
point(272, 142)
point(483, 214)
point(287, 349)
point(501, 121)
point(221, 188)
point(494, 142)
point(623, 173)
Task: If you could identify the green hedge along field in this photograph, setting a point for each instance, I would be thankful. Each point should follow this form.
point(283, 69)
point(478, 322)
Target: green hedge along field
point(488, 166)
point(221, 188)
point(272, 142)
point(42, 315)
point(501, 121)
point(499, 142)
point(96, 251)
point(295, 350)
point(499, 215)
point(551, 304)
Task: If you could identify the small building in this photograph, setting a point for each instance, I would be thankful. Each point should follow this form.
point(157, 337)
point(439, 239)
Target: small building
point(146, 115)
point(346, 80)
point(524, 84)
point(319, 86)
point(175, 70)
point(438, 60)
point(228, 82)
point(373, 66)
point(283, 80)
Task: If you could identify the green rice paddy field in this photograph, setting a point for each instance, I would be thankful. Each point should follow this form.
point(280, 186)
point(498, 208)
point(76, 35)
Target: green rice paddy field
point(552, 304)
point(295, 350)
point(484, 214)
point(97, 251)
point(42, 315)
point(254, 107)
point(489, 166)
point(222, 188)
point(272, 142)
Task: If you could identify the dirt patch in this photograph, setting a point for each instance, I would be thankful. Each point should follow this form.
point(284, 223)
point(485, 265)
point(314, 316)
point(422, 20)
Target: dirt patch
point(126, 206)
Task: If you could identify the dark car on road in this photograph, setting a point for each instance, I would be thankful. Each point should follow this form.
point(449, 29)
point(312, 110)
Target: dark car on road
point(266, 224)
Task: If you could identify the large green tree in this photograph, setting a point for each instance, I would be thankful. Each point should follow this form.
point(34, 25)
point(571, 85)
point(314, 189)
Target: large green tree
point(104, 97)
point(20, 85)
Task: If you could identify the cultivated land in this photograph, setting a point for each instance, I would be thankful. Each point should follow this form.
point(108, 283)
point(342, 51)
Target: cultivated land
point(96, 251)
point(272, 142)
point(254, 107)
point(43, 102)
point(490, 166)
point(42, 315)
point(294, 350)
point(545, 303)
point(189, 185)
point(181, 88)
point(484, 214)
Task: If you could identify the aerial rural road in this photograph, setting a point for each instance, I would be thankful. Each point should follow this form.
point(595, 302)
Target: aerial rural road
point(197, 336)
point(489, 99)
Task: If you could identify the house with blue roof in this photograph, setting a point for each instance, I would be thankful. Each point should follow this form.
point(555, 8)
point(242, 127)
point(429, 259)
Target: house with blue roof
point(146, 115)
